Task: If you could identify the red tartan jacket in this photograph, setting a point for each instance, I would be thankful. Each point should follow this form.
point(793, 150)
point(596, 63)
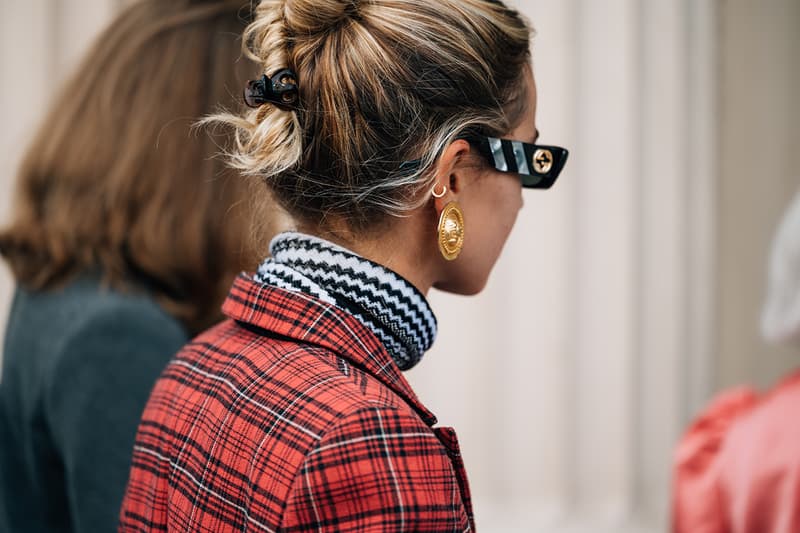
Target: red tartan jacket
point(291, 416)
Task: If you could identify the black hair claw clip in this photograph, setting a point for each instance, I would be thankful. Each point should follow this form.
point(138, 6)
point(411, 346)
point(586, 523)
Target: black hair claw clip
point(280, 90)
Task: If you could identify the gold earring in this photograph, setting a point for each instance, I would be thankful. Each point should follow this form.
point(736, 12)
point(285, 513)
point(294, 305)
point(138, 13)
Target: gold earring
point(451, 231)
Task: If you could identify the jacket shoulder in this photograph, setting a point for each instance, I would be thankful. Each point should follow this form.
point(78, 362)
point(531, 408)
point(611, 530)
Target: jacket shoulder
point(301, 371)
point(52, 334)
point(69, 313)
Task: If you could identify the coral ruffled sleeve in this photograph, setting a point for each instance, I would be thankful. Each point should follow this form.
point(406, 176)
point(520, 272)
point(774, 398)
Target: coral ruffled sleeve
point(699, 499)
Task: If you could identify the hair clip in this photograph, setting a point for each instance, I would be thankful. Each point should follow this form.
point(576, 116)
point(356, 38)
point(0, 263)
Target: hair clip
point(280, 90)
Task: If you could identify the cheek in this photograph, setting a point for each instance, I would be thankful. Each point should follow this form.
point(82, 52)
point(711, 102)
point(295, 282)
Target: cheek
point(495, 220)
point(499, 230)
point(484, 241)
point(504, 206)
point(490, 211)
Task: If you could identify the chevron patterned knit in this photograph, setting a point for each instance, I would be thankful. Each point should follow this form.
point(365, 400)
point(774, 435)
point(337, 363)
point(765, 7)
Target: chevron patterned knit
point(383, 301)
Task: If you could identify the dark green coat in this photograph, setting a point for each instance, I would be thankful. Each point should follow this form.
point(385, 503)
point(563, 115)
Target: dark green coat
point(78, 367)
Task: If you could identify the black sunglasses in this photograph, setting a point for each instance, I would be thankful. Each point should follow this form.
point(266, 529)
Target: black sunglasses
point(538, 166)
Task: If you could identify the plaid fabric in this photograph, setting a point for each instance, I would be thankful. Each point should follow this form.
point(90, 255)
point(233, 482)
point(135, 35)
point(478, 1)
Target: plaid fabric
point(291, 416)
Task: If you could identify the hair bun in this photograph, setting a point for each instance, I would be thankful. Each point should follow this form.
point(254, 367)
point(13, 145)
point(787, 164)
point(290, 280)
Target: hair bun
point(310, 17)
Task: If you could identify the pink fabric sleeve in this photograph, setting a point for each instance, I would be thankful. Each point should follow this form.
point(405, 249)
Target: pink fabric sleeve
point(699, 499)
point(761, 464)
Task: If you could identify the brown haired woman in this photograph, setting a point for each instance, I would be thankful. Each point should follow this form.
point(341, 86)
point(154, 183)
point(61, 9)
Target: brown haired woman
point(125, 239)
point(398, 133)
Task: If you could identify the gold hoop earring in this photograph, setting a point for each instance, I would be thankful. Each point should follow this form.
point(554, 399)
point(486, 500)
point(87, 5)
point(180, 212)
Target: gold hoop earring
point(441, 194)
point(451, 231)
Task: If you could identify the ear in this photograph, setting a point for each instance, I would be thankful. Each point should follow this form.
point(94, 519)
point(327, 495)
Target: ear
point(453, 172)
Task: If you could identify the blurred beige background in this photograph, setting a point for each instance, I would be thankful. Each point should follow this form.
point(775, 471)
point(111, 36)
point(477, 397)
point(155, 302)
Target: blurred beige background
point(628, 294)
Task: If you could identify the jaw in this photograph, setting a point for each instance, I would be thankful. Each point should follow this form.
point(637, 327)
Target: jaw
point(463, 284)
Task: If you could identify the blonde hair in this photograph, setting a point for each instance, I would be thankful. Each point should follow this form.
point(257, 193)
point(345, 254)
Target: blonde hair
point(117, 182)
point(382, 83)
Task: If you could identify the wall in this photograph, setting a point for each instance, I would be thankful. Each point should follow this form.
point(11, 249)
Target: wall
point(759, 174)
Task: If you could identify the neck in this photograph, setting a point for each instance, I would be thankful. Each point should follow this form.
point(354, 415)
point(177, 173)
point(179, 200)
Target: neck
point(380, 298)
point(401, 248)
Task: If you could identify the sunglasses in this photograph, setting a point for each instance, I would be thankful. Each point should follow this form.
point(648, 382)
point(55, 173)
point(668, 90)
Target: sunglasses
point(538, 166)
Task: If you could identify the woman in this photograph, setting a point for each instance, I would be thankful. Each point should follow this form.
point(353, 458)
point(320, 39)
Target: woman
point(377, 124)
point(738, 466)
point(125, 239)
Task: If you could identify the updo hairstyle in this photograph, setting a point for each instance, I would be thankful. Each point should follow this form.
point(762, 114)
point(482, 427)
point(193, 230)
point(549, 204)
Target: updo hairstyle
point(385, 86)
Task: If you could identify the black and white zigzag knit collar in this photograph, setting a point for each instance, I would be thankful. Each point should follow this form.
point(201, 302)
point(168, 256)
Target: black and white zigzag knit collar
point(382, 300)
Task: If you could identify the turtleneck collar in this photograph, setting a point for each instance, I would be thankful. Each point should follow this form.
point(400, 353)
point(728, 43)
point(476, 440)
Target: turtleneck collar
point(379, 298)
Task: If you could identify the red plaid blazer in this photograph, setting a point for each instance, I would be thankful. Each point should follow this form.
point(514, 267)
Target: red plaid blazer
point(291, 416)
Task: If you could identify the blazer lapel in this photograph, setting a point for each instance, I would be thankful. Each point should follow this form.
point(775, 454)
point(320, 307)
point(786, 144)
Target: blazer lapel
point(306, 319)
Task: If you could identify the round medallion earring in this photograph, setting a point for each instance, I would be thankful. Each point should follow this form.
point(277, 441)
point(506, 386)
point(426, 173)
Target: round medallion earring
point(451, 231)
